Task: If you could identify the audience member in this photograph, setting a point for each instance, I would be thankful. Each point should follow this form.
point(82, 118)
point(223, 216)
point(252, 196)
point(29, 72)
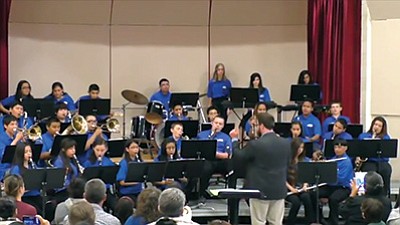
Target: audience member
point(147, 207)
point(124, 209)
point(81, 212)
point(394, 216)
point(8, 210)
point(372, 210)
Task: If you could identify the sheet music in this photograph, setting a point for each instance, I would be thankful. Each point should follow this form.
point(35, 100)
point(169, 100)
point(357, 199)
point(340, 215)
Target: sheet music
point(308, 188)
point(215, 192)
point(335, 160)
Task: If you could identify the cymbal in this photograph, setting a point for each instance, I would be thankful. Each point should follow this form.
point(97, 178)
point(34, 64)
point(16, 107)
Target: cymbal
point(134, 97)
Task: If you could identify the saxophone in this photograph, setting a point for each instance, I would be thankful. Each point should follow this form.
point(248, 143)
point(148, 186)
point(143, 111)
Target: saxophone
point(359, 161)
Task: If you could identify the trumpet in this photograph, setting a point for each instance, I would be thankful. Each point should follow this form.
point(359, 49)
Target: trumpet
point(80, 167)
point(33, 133)
point(112, 125)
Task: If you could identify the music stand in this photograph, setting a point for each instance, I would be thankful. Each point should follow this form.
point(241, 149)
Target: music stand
point(190, 128)
point(44, 179)
point(301, 92)
point(353, 129)
point(107, 174)
point(116, 148)
point(316, 173)
point(283, 129)
point(94, 107)
point(79, 148)
point(36, 151)
point(309, 148)
point(39, 107)
point(244, 97)
point(43, 127)
point(228, 127)
point(199, 149)
point(234, 196)
point(145, 172)
point(184, 99)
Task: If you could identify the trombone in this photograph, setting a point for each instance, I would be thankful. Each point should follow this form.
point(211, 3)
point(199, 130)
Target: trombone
point(112, 125)
point(33, 133)
point(78, 124)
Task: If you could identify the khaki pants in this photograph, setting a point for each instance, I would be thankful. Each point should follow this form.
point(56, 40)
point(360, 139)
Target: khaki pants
point(262, 211)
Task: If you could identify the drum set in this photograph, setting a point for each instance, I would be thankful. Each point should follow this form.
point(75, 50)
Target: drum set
point(144, 126)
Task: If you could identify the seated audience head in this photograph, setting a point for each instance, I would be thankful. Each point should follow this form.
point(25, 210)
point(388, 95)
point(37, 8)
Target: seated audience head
point(14, 186)
point(76, 188)
point(296, 128)
point(372, 210)
point(17, 109)
point(95, 191)
point(81, 212)
point(171, 202)
point(307, 107)
point(94, 91)
point(147, 204)
point(373, 183)
point(219, 222)
point(336, 108)
point(378, 127)
point(8, 208)
point(124, 209)
point(212, 112)
point(304, 78)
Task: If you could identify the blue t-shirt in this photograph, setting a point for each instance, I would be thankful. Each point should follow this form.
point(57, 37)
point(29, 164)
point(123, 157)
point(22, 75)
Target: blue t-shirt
point(332, 120)
point(264, 96)
point(16, 170)
point(66, 99)
point(47, 141)
point(368, 135)
point(85, 156)
point(345, 172)
point(5, 140)
point(311, 125)
point(121, 176)
point(10, 100)
point(224, 143)
point(136, 220)
point(219, 89)
point(164, 99)
point(75, 173)
point(175, 118)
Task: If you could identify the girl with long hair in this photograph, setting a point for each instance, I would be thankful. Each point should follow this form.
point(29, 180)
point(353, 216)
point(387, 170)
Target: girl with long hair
point(219, 89)
point(263, 92)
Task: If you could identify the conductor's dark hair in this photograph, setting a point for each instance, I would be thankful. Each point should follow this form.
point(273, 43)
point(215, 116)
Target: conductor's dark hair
point(7, 207)
point(267, 120)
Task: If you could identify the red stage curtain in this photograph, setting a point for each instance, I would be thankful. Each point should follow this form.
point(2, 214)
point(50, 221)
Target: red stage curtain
point(334, 51)
point(4, 14)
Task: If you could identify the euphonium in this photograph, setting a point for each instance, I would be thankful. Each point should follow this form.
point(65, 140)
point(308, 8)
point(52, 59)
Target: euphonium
point(78, 124)
point(80, 167)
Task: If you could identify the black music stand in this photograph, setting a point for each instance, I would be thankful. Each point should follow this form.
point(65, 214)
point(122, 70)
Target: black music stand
point(145, 172)
point(234, 196)
point(228, 127)
point(94, 107)
point(190, 128)
point(107, 174)
point(79, 148)
point(244, 97)
point(44, 179)
point(116, 148)
point(316, 173)
point(9, 152)
point(184, 99)
point(42, 126)
point(353, 129)
point(199, 149)
point(301, 92)
point(283, 129)
point(309, 148)
point(39, 108)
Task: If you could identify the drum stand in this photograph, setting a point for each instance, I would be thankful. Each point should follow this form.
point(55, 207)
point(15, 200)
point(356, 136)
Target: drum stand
point(123, 119)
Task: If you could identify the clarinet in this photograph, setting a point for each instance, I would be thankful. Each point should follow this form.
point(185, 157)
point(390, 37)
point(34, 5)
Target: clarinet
point(137, 158)
point(33, 166)
point(100, 160)
point(80, 167)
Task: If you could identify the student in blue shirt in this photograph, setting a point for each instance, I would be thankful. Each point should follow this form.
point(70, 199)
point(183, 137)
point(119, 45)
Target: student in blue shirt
point(311, 124)
point(169, 153)
point(212, 112)
point(9, 137)
point(378, 130)
point(131, 154)
point(22, 93)
point(163, 95)
point(58, 95)
point(292, 184)
point(53, 128)
point(219, 89)
point(97, 158)
point(93, 93)
point(177, 132)
point(21, 163)
point(251, 124)
point(224, 150)
point(263, 92)
point(335, 110)
point(339, 191)
point(94, 133)
point(339, 131)
point(177, 113)
point(296, 130)
point(65, 159)
point(305, 78)
point(62, 113)
point(17, 110)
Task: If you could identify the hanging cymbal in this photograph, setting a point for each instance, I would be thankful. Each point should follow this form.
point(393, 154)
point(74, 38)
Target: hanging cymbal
point(134, 97)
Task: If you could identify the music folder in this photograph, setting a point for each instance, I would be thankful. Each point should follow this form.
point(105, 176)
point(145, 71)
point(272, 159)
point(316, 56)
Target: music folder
point(80, 143)
point(116, 148)
point(301, 92)
point(94, 107)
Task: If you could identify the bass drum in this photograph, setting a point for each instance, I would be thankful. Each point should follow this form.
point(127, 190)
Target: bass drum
point(154, 114)
point(140, 128)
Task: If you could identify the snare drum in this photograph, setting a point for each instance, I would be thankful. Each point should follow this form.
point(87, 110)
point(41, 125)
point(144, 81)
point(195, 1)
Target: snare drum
point(140, 128)
point(154, 114)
